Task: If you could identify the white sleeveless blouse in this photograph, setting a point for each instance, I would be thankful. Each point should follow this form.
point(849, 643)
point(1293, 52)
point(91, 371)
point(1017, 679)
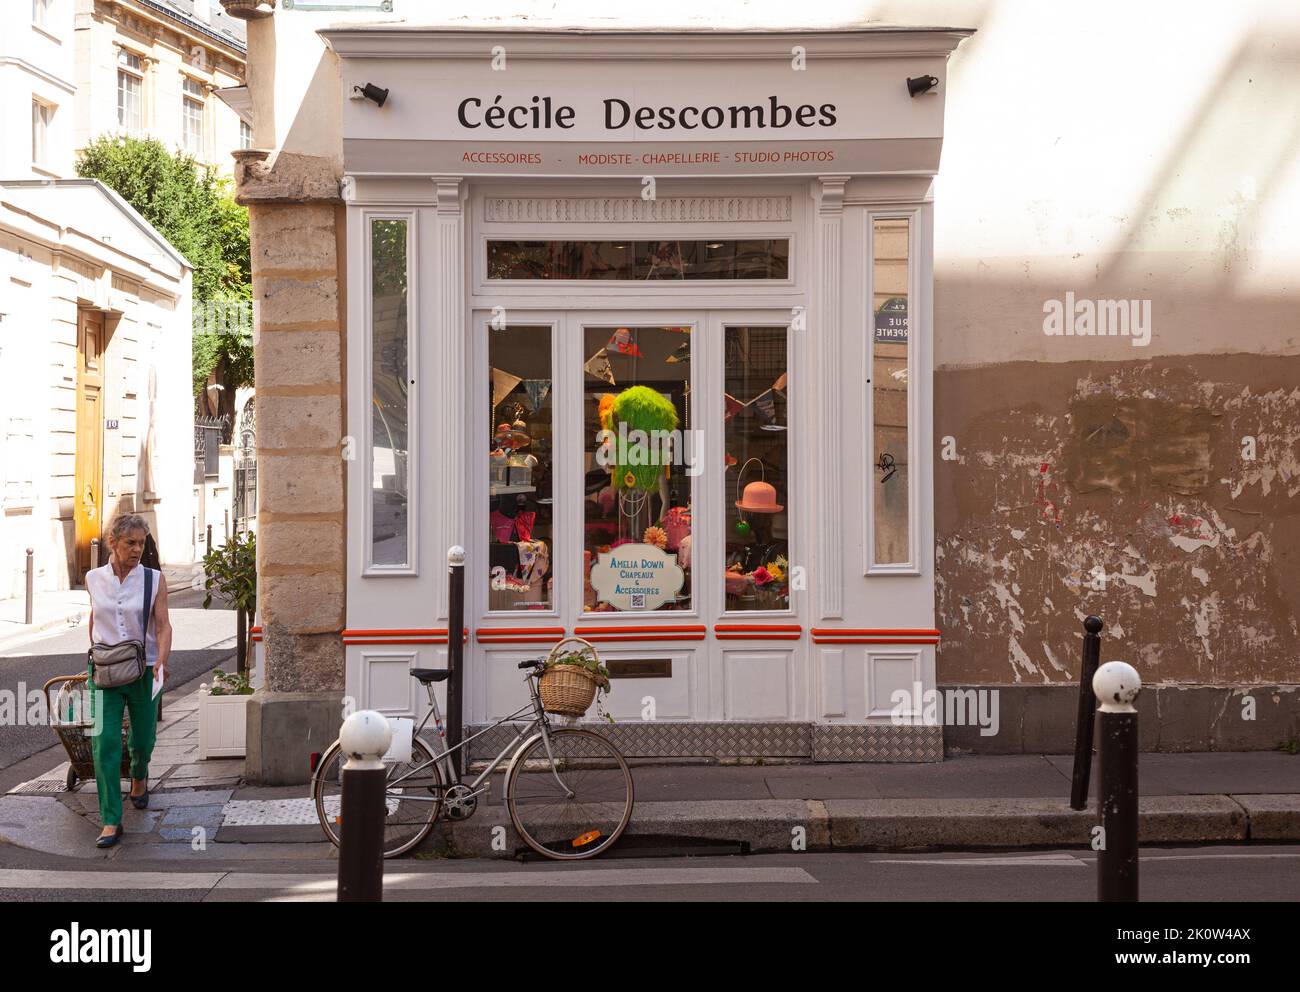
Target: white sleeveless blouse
point(116, 607)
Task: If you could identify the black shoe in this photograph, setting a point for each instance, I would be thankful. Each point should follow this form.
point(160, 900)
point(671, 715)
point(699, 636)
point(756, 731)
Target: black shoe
point(110, 840)
point(141, 801)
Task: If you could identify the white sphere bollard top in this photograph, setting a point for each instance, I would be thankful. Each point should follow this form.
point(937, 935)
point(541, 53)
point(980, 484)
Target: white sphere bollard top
point(365, 739)
point(455, 555)
point(1117, 685)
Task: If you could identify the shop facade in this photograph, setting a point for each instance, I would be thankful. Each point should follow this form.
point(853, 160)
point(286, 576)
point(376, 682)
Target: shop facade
point(642, 321)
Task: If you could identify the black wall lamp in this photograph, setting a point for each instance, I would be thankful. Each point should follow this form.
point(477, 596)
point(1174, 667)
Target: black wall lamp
point(916, 85)
point(370, 92)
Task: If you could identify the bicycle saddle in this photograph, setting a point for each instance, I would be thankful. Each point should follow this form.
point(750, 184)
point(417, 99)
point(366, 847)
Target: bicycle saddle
point(427, 675)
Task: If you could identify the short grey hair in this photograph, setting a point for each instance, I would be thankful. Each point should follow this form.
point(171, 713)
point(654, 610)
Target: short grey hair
point(124, 523)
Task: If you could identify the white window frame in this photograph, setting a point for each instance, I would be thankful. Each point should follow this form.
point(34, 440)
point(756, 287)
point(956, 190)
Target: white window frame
point(193, 95)
point(916, 321)
point(413, 440)
point(42, 119)
point(245, 134)
point(131, 72)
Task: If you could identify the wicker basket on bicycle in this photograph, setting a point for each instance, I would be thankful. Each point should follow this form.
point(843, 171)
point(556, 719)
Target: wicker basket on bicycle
point(570, 689)
point(72, 720)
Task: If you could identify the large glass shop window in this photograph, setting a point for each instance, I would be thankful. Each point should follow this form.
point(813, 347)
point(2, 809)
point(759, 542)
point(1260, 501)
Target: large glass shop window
point(639, 461)
point(755, 418)
point(889, 391)
point(520, 511)
point(390, 410)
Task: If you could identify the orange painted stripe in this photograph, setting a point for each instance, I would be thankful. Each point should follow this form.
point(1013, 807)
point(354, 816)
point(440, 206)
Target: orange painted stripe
point(758, 637)
point(876, 631)
point(611, 638)
point(520, 630)
point(394, 640)
point(520, 640)
point(758, 626)
point(642, 628)
point(423, 632)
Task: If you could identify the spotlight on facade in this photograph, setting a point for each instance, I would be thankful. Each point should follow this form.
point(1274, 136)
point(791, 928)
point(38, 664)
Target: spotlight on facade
point(370, 92)
point(916, 85)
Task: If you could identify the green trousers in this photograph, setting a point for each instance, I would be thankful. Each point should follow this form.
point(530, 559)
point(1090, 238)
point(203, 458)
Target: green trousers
point(107, 744)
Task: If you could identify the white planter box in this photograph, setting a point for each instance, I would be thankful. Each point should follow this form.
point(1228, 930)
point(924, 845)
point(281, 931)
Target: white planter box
point(222, 725)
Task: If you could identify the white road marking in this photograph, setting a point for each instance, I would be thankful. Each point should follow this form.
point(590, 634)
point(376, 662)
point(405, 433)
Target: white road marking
point(23, 878)
point(290, 887)
point(1035, 860)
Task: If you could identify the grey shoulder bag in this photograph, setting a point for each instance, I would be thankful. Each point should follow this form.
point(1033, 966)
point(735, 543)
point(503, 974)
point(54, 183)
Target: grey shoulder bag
point(113, 665)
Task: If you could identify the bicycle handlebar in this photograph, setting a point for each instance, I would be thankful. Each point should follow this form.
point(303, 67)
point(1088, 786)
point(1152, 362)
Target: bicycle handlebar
point(532, 663)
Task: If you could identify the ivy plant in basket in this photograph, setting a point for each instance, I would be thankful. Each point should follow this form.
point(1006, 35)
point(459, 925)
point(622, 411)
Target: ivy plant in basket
point(571, 678)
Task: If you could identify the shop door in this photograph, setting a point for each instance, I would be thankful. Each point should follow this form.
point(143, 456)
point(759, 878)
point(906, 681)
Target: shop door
point(88, 501)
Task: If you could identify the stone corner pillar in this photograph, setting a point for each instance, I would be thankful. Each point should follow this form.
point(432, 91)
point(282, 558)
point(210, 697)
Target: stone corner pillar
point(296, 232)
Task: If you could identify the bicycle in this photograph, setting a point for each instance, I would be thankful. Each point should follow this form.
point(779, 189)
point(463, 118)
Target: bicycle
point(568, 791)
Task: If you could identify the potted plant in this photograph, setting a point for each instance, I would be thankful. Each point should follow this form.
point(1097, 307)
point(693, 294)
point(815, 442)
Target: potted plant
point(572, 678)
point(231, 572)
point(223, 715)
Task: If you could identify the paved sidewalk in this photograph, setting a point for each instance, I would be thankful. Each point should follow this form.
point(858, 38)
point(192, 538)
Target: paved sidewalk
point(202, 810)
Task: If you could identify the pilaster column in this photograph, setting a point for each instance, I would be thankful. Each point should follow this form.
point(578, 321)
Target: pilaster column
point(827, 332)
point(296, 228)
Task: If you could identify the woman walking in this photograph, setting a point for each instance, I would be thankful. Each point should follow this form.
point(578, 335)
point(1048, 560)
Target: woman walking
point(118, 613)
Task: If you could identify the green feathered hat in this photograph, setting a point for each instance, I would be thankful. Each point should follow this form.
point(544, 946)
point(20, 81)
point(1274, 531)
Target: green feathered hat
point(641, 408)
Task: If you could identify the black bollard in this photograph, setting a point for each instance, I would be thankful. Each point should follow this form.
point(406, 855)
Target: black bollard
point(455, 651)
point(1087, 714)
point(1117, 685)
point(365, 738)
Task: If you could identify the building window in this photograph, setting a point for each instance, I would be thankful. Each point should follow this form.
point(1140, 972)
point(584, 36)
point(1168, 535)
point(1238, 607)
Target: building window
point(764, 258)
point(245, 134)
point(192, 115)
point(890, 392)
point(637, 419)
point(130, 84)
point(42, 116)
point(390, 451)
point(41, 11)
point(521, 525)
point(755, 418)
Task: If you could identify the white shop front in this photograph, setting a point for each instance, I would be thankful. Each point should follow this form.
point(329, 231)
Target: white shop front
point(642, 320)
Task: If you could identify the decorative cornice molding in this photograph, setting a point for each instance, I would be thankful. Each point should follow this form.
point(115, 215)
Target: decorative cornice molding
point(448, 194)
point(633, 209)
point(832, 199)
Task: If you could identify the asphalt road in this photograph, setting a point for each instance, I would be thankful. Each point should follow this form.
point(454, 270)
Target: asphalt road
point(1224, 874)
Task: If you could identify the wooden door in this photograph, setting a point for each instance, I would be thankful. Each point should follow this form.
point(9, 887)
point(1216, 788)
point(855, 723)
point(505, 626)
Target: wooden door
point(88, 496)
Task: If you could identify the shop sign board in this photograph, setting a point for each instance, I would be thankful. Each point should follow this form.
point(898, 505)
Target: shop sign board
point(635, 577)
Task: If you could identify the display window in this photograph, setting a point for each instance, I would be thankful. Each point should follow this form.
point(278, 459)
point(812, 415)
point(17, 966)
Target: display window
point(638, 486)
point(763, 258)
point(390, 414)
point(521, 527)
point(891, 529)
point(755, 419)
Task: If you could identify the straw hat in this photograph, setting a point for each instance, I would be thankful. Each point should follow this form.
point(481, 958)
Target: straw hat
point(759, 497)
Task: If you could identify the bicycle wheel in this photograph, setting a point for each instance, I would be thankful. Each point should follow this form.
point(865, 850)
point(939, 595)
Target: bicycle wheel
point(408, 822)
point(584, 816)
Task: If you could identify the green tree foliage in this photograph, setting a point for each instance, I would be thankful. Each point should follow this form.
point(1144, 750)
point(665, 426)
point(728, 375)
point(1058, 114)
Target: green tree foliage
point(195, 210)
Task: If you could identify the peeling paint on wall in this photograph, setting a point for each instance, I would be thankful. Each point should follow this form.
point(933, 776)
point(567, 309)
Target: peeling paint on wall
point(1120, 491)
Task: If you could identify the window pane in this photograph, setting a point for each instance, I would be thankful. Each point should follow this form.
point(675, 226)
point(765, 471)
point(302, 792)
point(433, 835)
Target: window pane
point(193, 125)
point(245, 135)
point(757, 489)
point(889, 391)
point(679, 260)
point(639, 461)
point(389, 393)
point(520, 512)
point(128, 101)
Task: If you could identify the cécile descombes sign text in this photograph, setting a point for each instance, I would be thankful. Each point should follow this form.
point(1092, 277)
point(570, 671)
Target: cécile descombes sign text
point(541, 113)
